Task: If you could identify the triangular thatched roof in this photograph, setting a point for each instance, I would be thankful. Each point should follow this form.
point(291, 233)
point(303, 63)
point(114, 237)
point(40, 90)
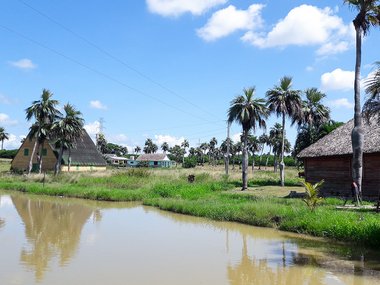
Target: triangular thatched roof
point(338, 142)
point(85, 153)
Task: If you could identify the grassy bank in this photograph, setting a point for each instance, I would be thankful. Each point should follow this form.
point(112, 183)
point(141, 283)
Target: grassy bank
point(212, 196)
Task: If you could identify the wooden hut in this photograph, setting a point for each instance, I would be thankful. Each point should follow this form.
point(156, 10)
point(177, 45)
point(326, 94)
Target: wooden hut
point(330, 159)
point(84, 157)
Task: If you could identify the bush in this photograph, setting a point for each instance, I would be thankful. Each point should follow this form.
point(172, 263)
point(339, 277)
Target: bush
point(8, 153)
point(190, 162)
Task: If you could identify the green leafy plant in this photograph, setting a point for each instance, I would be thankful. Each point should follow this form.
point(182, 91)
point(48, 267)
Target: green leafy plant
point(312, 198)
point(189, 162)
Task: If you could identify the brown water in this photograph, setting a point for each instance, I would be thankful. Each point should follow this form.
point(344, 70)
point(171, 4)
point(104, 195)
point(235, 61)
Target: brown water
point(67, 241)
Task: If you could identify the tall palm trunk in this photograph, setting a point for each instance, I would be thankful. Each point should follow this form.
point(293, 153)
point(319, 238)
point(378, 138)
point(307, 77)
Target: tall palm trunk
point(357, 136)
point(282, 164)
point(244, 170)
point(32, 156)
point(40, 162)
point(2, 144)
point(275, 163)
point(261, 156)
point(253, 162)
point(69, 161)
point(58, 163)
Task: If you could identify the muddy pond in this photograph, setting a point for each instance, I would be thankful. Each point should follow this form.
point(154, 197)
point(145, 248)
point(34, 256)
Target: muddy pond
point(46, 240)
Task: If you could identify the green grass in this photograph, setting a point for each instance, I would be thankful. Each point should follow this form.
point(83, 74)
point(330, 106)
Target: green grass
point(5, 165)
point(211, 196)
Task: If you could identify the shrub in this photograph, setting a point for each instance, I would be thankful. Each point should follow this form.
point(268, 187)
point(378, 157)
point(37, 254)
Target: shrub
point(189, 162)
point(8, 153)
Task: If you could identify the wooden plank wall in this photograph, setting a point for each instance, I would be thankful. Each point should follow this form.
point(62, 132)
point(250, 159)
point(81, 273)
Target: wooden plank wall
point(371, 174)
point(336, 171)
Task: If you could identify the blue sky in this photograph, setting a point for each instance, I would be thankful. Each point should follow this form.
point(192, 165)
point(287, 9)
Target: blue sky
point(168, 69)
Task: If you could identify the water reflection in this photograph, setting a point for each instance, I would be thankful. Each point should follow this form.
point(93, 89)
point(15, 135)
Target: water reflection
point(52, 228)
point(2, 222)
point(143, 245)
point(272, 257)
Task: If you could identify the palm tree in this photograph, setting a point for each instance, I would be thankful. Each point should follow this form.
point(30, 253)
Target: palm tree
point(212, 149)
point(249, 113)
point(67, 130)
point(3, 136)
point(165, 147)
point(235, 149)
point(184, 145)
point(371, 107)
point(45, 112)
point(137, 149)
point(101, 143)
point(253, 147)
point(263, 140)
point(275, 143)
point(314, 113)
point(225, 149)
point(192, 151)
point(203, 147)
point(284, 102)
point(368, 15)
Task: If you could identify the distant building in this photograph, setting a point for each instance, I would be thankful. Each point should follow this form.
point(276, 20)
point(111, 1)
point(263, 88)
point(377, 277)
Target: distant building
point(330, 158)
point(152, 160)
point(115, 160)
point(84, 157)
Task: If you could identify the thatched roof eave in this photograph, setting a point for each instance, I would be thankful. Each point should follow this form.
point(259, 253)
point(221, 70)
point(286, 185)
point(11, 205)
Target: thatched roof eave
point(338, 142)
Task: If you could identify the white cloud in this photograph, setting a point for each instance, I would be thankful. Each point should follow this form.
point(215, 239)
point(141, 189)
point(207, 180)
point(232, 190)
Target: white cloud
point(175, 8)
point(171, 140)
point(309, 68)
point(341, 103)
point(121, 139)
point(92, 128)
point(96, 104)
point(228, 20)
point(25, 64)
point(338, 79)
point(236, 137)
point(6, 120)
point(307, 25)
point(13, 142)
point(333, 48)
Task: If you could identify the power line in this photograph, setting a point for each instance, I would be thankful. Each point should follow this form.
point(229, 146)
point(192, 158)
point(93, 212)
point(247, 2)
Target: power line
point(108, 54)
point(100, 73)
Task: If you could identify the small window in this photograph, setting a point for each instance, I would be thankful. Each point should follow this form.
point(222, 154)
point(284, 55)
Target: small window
point(44, 152)
point(155, 163)
point(26, 151)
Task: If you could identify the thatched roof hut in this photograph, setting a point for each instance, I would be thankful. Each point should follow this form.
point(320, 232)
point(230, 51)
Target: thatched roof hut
point(84, 157)
point(338, 142)
point(330, 159)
